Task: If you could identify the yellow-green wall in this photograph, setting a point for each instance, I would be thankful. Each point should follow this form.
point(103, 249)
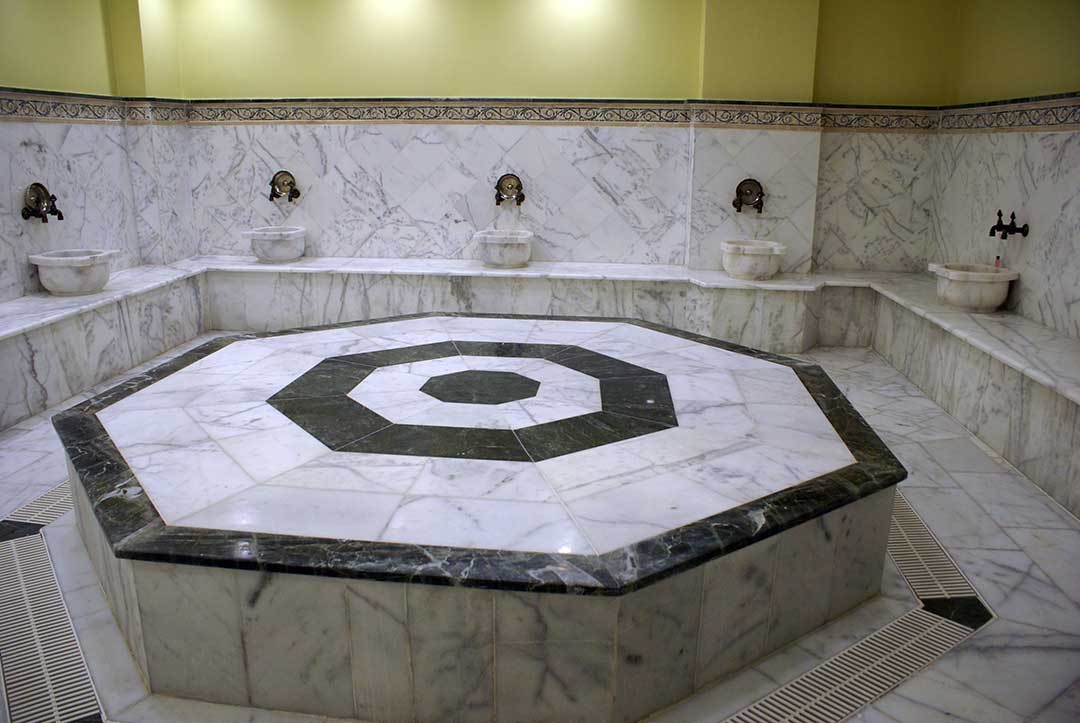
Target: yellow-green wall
point(1011, 49)
point(537, 48)
point(910, 52)
point(883, 51)
point(54, 45)
point(161, 48)
point(763, 52)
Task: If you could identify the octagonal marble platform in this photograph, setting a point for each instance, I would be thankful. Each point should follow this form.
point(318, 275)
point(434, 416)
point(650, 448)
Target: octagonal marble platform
point(474, 518)
point(609, 434)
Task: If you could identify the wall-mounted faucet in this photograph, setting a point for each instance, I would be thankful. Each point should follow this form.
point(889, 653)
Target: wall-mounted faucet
point(1011, 228)
point(749, 193)
point(509, 188)
point(39, 203)
point(284, 184)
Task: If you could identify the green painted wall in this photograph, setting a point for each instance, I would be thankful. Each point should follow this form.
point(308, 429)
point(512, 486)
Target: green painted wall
point(914, 52)
point(54, 45)
point(1014, 49)
point(760, 52)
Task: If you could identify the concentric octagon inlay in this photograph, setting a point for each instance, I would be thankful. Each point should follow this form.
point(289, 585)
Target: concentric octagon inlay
point(330, 402)
point(481, 435)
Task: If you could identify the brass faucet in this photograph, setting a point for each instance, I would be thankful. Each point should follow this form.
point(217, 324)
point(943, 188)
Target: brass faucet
point(509, 188)
point(284, 184)
point(1011, 228)
point(39, 203)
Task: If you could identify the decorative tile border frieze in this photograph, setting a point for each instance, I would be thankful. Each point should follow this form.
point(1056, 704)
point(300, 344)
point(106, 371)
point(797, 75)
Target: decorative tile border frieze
point(1061, 112)
point(1054, 114)
point(434, 111)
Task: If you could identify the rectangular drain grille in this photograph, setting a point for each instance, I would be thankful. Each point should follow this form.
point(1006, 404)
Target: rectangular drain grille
point(44, 672)
point(922, 561)
point(849, 680)
point(50, 507)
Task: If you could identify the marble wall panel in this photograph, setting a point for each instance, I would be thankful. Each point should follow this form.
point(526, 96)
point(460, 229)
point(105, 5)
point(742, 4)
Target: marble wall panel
point(554, 657)
point(875, 198)
point(381, 671)
point(800, 600)
point(295, 652)
point(860, 536)
point(786, 164)
point(451, 635)
point(161, 186)
point(86, 166)
point(186, 610)
point(657, 645)
point(1036, 176)
point(735, 610)
point(847, 316)
point(52, 363)
point(600, 193)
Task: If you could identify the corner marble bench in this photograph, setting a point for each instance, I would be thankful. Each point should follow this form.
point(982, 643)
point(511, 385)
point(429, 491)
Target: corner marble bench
point(1012, 382)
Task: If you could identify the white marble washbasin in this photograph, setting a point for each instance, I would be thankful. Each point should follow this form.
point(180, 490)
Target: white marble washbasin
point(277, 244)
point(504, 249)
point(752, 260)
point(73, 272)
point(973, 287)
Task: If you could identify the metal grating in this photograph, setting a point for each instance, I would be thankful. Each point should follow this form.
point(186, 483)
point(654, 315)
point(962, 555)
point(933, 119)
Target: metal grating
point(849, 680)
point(44, 673)
point(922, 561)
point(45, 509)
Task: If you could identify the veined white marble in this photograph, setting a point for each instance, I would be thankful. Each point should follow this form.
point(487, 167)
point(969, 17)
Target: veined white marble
point(210, 452)
point(607, 193)
point(874, 202)
point(86, 166)
point(786, 164)
point(1037, 177)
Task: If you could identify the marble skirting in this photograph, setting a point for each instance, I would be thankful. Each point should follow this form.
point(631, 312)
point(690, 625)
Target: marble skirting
point(1028, 423)
point(385, 651)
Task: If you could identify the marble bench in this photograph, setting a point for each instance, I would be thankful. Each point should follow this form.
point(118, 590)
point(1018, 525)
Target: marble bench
point(1012, 382)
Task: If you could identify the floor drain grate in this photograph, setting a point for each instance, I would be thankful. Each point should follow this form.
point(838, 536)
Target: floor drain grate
point(45, 677)
point(860, 674)
point(50, 507)
point(922, 561)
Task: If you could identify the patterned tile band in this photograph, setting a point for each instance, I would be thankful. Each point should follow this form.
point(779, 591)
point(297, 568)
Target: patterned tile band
point(1061, 113)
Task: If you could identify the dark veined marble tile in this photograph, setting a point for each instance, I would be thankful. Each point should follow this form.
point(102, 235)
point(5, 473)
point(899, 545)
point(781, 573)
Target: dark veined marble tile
point(13, 529)
point(402, 355)
point(645, 397)
point(554, 439)
point(967, 611)
point(458, 442)
point(335, 421)
point(327, 378)
point(477, 386)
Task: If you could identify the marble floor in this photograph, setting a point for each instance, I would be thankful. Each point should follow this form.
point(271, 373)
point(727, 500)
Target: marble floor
point(572, 437)
point(1018, 548)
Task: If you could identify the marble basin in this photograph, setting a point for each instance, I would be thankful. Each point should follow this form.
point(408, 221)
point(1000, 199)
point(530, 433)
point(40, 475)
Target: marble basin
point(752, 260)
point(504, 249)
point(973, 287)
point(73, 272)
point(277, 244)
